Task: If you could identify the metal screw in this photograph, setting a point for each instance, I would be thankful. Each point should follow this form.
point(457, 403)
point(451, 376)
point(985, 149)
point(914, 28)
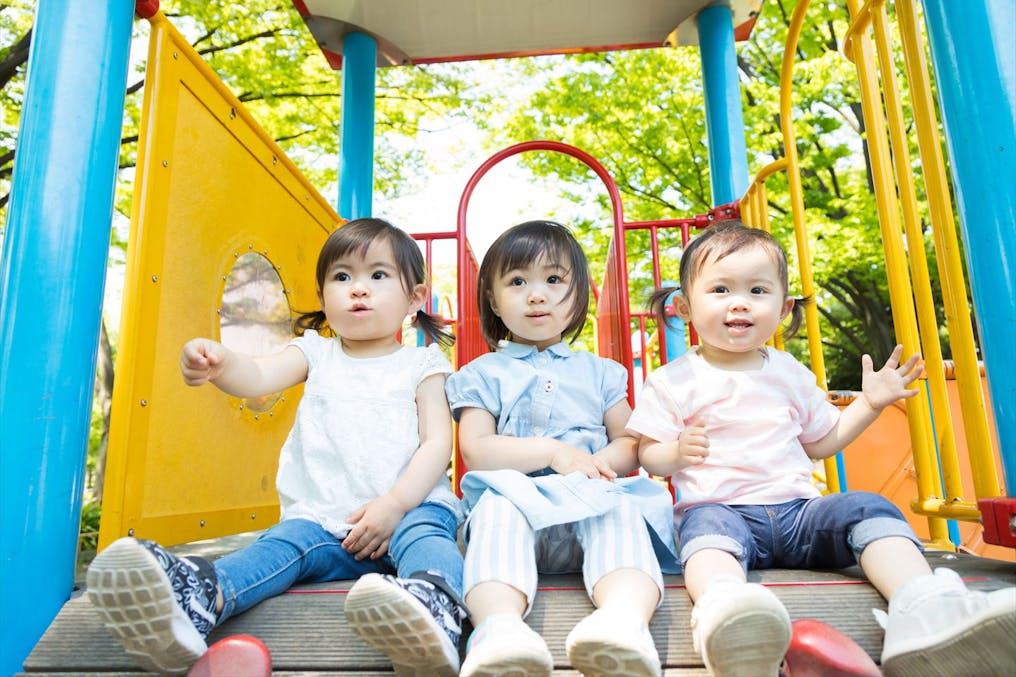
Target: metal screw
point(175, 55)
point(130, 532)
point(202, 523)
point(165, 163)
point(253, 516)
point(232, 113)
point(155, 278)
point(144, 403)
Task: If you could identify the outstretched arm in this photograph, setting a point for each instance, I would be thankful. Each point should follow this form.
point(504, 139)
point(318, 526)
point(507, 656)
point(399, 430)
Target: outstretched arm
point(375, 521)
point(483, 449)
point(203, 360)
point(879, 389)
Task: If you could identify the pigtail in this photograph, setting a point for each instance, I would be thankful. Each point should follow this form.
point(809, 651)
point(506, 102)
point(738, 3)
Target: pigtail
point(796, 316)
point(657, 304)
point(433, 328)
point(315, 320)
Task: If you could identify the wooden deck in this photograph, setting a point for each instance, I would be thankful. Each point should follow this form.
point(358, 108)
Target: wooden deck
point(306, 633)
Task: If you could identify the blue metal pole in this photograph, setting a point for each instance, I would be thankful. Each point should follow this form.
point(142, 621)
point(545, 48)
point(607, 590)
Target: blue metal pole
point(356, 154)
point(973, 52)
point(728, 155)
point(52, 272)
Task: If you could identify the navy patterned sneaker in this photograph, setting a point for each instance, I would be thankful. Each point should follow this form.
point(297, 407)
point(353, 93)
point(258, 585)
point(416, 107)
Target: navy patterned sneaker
point(414, 621)
point(158, 606)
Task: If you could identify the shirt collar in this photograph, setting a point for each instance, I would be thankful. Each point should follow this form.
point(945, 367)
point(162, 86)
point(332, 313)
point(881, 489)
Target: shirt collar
point(521, 350)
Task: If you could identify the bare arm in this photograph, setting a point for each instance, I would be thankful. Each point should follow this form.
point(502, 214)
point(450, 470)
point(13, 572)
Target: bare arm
point(665, 458)
point(483, 449)
point(203, 360)
point(621, 453)
point(376, 520)
point(879, 389)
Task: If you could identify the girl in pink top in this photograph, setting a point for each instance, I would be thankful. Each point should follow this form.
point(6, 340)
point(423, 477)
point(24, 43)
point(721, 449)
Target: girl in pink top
point(737, 425)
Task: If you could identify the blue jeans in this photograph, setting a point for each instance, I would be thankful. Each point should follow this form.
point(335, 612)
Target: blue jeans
point(300, 551)
point(828, 532)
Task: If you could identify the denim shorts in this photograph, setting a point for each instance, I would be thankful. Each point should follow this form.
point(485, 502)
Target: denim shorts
point(827, 532)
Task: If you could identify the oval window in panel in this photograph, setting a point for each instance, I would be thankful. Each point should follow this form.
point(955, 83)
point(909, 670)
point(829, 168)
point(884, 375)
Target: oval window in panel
point(254, 317)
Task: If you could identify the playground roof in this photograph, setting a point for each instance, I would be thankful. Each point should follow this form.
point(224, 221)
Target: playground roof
point(429, 31)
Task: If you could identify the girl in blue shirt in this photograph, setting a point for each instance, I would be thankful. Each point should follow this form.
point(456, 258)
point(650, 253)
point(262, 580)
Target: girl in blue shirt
point(542, 429)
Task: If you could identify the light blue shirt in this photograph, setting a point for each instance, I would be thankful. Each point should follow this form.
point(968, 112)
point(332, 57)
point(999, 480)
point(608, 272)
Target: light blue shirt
point(557, 392)
point(562, 394)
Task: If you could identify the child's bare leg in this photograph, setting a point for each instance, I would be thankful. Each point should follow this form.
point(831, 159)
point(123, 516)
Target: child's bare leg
point(487, 599)
point(710, 566)
point(631, 589)
point(892, 561)
point(738, 628)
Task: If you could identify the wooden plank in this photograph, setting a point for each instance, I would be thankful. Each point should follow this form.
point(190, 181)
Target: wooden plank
point(306, 632)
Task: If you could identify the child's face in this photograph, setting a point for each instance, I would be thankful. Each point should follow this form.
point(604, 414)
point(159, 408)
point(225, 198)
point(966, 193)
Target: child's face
point(534, 302)
point(365, 302)
point(736, 304)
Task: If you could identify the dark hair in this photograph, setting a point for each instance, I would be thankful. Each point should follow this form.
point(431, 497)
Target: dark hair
point(355, 237)
point(717, 242)
point(519, 246)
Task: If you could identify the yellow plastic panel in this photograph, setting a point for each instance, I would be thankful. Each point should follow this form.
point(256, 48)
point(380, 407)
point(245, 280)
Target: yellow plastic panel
point(187, 463)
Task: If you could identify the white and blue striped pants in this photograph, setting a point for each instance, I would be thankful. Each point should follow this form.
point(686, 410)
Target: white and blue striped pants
point(502, 547)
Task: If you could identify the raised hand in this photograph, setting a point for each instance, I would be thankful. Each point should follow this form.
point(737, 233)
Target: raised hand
point(201, 361)
point(883, 387)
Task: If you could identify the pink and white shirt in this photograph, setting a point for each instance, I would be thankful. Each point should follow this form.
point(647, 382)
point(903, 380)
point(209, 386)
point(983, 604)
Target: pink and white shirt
point(756, 421)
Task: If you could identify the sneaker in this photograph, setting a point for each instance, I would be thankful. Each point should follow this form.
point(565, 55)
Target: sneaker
point(606, 643)
point(937, 626)
point(820, 650)
point(158, 606)
point(740, 630)
point(411, 620)
point(504, 646)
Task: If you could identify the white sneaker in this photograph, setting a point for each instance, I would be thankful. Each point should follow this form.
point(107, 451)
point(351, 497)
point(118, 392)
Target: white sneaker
point(604, 644)
point(504, 646)
point(937, 626)
point(740, 630)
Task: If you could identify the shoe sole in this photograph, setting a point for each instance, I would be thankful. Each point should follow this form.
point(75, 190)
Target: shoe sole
point(985, 647)
point(395, 623)
point(515, 663)
point(601, 657)
point(132, 594)
point(749, 644)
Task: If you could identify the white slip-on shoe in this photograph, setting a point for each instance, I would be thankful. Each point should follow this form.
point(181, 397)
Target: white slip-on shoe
point(607, 643)
point(504, 646)
point(937, 626)
point(740, 630)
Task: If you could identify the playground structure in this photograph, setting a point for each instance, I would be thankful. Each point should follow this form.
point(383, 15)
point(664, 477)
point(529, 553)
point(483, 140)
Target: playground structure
point(184, 249)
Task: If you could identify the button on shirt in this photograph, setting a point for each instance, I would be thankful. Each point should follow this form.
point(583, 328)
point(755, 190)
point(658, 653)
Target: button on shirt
point(557, 392)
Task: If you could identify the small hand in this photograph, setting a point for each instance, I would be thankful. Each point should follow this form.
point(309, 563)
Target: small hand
point(692, 446)
point(572, 460)
point(883, 387)
point(201, 361)
point(374, 523)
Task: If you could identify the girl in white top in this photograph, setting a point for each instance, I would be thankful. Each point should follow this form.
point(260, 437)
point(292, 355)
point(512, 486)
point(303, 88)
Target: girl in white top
point(362, 477)
point(736, 425)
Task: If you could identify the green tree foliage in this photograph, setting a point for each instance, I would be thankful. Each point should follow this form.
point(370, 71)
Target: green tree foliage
point(642, 115)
